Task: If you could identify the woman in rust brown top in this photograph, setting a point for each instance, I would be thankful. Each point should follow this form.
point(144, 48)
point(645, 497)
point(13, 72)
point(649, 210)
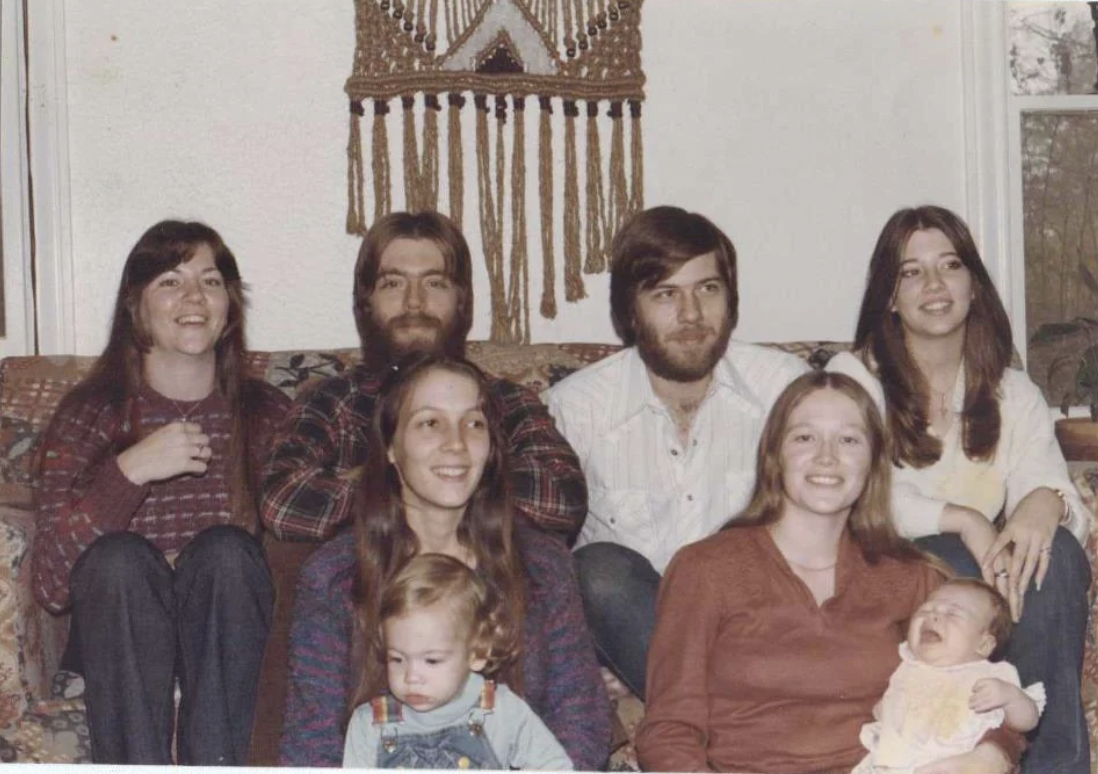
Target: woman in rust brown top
point(776, 636)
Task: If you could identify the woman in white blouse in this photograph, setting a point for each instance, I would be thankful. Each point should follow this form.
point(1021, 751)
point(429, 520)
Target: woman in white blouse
point(973, 440)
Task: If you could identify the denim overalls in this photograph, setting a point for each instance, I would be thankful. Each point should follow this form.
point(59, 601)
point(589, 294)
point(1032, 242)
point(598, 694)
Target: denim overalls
point(462, 745)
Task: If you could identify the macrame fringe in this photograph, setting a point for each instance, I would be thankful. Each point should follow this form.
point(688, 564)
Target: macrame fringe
point(636, 159)
point(518, 311)
point(545, 206)
point(428, 170)
point(456, 157)
point(491, 233)
point(595, 215)
point(411, 156)
point(383, 201)
point(501, 312)
point(356, 199)
point(405, 48)
point(617, 200)
point(573, 278)
point(421, 172)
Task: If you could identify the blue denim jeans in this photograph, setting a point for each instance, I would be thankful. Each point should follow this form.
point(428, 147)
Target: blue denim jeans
point(1046, 646)
point(619, 589)
point(138, 624)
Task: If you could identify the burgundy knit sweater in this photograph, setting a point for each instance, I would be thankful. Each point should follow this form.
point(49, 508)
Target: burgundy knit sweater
point(83, 494)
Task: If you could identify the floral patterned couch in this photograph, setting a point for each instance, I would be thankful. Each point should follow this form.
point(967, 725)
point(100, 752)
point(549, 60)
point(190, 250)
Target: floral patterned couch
point(41, 712)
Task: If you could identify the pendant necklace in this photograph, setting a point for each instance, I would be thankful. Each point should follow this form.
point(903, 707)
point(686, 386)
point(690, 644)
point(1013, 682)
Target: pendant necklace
point(185, 416)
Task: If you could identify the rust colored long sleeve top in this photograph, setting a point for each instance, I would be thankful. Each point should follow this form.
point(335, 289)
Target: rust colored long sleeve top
point(747, 673)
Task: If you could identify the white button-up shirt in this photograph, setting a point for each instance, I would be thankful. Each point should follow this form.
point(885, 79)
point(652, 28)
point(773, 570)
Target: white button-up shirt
point(646, 489)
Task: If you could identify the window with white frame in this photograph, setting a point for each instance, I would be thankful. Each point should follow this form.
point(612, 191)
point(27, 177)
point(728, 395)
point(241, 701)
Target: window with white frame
point(1052, 117)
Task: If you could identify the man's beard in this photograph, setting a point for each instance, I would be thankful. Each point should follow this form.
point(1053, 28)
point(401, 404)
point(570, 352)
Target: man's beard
point(681, 365)
point(381, 347)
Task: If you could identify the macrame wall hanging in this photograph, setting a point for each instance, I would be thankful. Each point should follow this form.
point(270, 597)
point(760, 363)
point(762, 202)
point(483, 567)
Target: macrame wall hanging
point(420, 57)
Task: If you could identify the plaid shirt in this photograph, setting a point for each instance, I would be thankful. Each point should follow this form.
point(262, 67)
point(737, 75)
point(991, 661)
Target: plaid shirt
point(307, 489)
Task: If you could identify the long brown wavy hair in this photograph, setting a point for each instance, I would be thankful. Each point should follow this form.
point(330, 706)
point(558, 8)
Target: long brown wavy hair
point(117, 375)
point(384, 543)
point(870, 522)
point(880, 336)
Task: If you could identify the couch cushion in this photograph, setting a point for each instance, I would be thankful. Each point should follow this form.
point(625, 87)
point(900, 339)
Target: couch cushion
point(31, 387)
point(55, 731)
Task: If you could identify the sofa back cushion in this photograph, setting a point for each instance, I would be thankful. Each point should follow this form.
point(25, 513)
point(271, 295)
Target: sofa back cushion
point(31, 387)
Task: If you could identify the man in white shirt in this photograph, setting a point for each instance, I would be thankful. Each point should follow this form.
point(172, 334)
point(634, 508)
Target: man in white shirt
point(667, 429)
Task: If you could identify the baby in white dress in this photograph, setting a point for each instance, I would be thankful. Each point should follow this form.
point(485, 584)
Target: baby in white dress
point(946, 693)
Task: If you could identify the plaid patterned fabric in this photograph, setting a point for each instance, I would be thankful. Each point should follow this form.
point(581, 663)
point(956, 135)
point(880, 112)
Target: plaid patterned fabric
point(309, 486)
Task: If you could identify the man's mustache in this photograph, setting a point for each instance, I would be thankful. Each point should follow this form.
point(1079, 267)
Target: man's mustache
point(415, 319)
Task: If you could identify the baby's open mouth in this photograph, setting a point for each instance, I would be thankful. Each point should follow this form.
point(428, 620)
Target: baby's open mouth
point(929, 636)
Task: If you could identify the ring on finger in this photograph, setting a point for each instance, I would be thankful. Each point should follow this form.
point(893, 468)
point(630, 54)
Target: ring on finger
point(1002, 574)
point(1046, 550)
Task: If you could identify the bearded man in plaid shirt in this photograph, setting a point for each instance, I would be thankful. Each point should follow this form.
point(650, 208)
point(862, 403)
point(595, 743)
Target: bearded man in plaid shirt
point(413, 291)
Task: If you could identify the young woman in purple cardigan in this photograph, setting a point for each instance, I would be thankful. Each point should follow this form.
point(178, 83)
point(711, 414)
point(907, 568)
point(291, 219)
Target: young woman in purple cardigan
point(435, 481)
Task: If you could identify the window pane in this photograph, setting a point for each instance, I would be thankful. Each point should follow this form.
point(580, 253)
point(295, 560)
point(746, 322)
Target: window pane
point(1060, 211)
point(1052, 48)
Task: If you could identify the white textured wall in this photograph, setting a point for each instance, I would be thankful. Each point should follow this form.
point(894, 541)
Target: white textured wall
point(796, 126)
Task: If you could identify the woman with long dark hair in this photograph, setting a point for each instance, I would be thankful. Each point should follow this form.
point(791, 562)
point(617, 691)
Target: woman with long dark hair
point(147, 511)
point(776, 636)
point(974, 442)
point(436, 481)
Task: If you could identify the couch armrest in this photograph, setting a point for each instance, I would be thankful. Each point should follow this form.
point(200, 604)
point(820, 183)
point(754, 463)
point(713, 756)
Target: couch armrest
point(31, 640)
point(15, 610)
